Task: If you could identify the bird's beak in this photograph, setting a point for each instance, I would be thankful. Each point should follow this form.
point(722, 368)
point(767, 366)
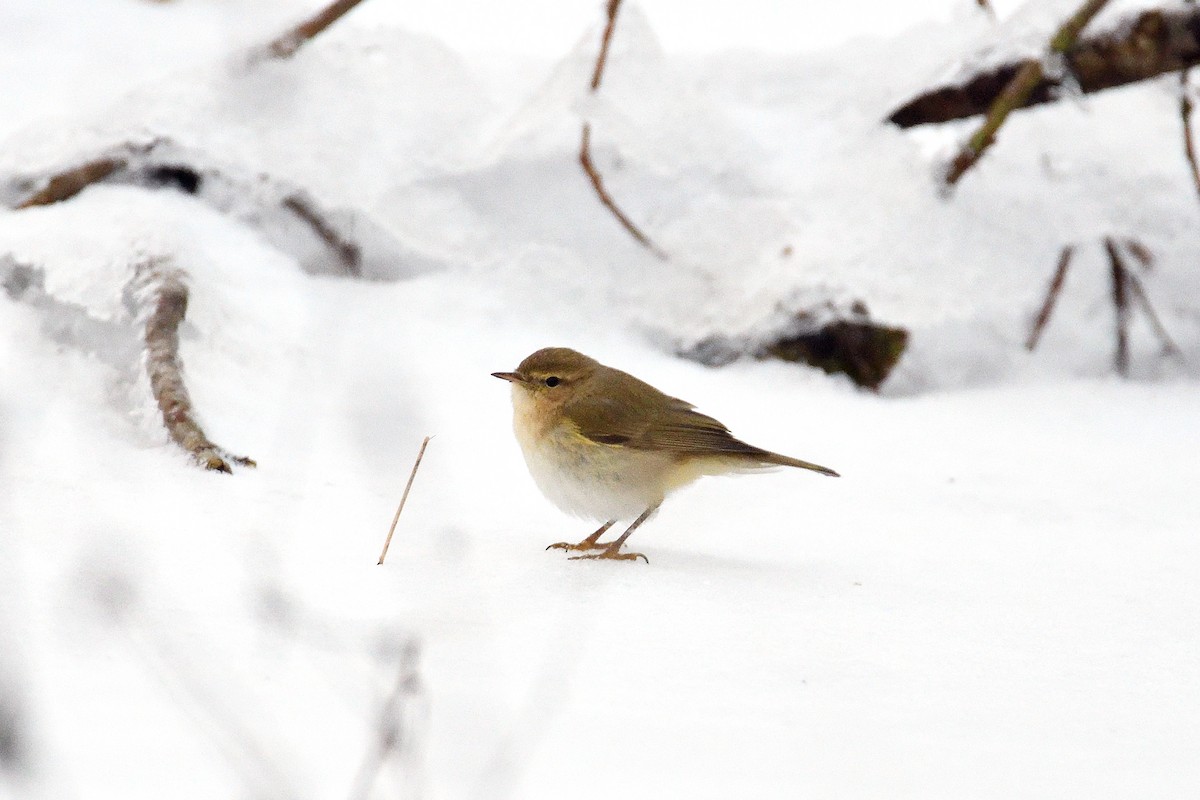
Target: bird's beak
point(511, 377)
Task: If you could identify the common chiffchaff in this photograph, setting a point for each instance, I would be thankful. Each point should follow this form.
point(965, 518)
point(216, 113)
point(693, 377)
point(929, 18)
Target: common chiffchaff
point(602, 444)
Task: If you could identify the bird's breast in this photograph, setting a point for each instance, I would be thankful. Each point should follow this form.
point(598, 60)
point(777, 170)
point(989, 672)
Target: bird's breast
point(583, 477)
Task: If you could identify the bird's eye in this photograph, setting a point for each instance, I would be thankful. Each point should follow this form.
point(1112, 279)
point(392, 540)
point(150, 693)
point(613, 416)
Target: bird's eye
point(552, 381)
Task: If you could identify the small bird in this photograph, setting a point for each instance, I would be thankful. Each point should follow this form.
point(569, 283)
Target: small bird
point(600, 443)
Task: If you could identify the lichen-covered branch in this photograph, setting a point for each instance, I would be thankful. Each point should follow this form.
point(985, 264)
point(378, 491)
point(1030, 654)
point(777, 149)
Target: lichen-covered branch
point(162, 298)
point(286, 45)
point(1016, 94)
point(1151, 44)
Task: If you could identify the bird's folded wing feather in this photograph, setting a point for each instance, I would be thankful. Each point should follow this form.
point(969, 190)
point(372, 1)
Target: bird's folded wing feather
point(644, 418)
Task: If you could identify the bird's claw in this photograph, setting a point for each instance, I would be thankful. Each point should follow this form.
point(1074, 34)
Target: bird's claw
point(584, 545)
point(614, 555)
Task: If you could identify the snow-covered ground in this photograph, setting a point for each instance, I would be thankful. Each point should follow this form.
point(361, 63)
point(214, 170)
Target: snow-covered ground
point(997, 599)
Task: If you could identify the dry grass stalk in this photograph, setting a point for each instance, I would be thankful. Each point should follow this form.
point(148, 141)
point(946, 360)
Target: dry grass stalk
point(403, 499)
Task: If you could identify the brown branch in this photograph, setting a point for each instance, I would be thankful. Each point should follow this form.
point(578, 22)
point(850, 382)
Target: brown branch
point(68, 183)
point(163, 298)
point(1128, 51)
point(1169, 348)
point(986, 5)
point(585, 143)
point(285, 45)
point(1120, 297)
point(585, 160)
point(611, 9)
point(1016, 94)
point(1140, 252)
point(1052, 292)
point(348, 253)
point(162, 163)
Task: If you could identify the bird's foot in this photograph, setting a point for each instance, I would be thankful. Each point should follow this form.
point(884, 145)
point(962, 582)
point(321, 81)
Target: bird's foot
point(586, 544)
point(612, 553)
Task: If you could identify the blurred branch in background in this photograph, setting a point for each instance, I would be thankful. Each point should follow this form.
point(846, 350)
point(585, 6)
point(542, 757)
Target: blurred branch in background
point(1055, 288)
point(287, 43)
point(398, 735)
point(1126, 288)
point(1017, 92)
point(585, 142)
point(1153, 43)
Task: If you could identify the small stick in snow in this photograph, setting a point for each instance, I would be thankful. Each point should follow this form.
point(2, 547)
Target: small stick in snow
point(1120, 283)
point(1056, 284)
point(986, 5)
point(1016, 94)
point(585, 143)
point(403, 499)
point(286, 45)
point(163, 297)
point(1169, 348)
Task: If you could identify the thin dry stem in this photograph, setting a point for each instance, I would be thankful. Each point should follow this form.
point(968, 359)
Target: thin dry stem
point(585, 144)
point(1169, 348)
point(589, 167)
point(348, 253)
point(1120, 284)
point(1052, 292)
point(403, 499)
point(285, 45)
point(612, 8)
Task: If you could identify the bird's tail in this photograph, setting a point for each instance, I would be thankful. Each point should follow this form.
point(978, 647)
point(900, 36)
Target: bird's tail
point(787, 461)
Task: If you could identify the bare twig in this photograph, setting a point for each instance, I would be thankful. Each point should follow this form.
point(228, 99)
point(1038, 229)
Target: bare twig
point(1052, 292)
point(163, 297)
point(611, 10)
point(1140, 252)
point(986, 5)
point(1017, 92)
point(1120, 285)
point(1185, 113)
point(286, 45)
point(589, 167)
point(403, 499)
point(585, 143)
point(1169, 348)
point(348, 253)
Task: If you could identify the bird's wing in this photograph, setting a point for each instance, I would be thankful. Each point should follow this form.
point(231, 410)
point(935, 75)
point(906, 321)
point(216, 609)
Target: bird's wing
point(641, 417)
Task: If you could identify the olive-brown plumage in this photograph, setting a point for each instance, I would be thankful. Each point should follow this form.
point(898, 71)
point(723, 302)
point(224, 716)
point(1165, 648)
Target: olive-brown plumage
point(601, 443)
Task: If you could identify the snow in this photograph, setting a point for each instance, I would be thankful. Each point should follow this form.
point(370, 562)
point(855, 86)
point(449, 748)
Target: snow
point(997, 598)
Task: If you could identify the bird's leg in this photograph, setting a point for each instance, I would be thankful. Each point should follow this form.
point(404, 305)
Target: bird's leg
point(613, 549)
point(590, 543)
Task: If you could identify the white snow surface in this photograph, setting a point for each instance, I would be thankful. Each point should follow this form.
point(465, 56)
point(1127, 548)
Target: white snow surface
point(998, 599)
